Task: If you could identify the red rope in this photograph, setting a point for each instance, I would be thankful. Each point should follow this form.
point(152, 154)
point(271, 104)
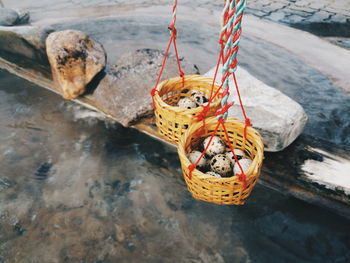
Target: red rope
point(171, 40)
point(193, 166)
point(181, 73)
point(246, 119)
point(242, 176)
point(224, 36)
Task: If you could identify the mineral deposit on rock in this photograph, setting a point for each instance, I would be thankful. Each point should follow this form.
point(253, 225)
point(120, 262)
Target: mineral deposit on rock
point(75, 60)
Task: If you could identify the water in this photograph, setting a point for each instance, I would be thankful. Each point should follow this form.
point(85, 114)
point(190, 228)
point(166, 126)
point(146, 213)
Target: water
point(75, 188)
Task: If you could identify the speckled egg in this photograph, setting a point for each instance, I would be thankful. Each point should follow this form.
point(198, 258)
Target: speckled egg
point(221, 165)
point(245, 163)
point(216, 146)
point(239, 155)
point(194, 156)
point(229, 155)
point(187, 103)
point(214, 174)
point(199, 98)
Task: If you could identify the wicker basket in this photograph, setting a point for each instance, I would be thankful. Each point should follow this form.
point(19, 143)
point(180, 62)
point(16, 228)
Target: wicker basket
point(173, 121)
point(229, 191)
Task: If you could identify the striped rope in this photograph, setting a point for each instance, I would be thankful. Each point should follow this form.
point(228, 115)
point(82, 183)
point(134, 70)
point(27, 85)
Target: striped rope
point(230, 37)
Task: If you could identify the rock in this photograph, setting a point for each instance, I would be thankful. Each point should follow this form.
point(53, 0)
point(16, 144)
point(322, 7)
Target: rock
point(75, 60)
point(125, 92)
point(26, 41)
point(8, 17)
point(23, 17)
point(278, 118)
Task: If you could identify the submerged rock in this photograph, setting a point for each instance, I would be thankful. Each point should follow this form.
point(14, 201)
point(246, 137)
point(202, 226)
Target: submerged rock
point(278, 118)
point(125, 92)
point(75, 60)
point(8, 17)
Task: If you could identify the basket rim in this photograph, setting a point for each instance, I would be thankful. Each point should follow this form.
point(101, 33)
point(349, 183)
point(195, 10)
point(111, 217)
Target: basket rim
point(200, 175)
point(200, 78)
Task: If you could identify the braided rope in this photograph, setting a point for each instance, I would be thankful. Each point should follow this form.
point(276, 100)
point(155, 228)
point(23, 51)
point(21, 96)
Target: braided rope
point(230, 37)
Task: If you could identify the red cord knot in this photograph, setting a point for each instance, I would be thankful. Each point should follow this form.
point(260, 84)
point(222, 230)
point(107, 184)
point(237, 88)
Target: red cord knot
point(173, 29)
point(242, 178)
point(247, 122)
point(201, 116)
point(224, 109)
point(153, 92)
point(191, 167)
point(182, 74)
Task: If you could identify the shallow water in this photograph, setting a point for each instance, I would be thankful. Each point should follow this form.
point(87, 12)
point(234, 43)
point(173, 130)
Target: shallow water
point(74, 188)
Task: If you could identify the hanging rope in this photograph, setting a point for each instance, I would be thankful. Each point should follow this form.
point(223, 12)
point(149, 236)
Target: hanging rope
point(172, 40)
point(229, 44)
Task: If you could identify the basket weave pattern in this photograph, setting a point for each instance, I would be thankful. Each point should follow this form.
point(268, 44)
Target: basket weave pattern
point(230, 190)
point(173, 121)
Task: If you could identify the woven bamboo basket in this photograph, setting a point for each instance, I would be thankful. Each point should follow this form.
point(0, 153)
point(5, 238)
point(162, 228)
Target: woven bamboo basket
point(173, 121)
point(229, 191)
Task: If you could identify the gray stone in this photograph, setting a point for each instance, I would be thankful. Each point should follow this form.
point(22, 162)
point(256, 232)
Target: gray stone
point(8, 17)
point(27, 41)
point(319, 16)
point(125, 92)
point(279, 119)
point(75, 60)
point(23, 17)
point(276, 16)
point(295, 19)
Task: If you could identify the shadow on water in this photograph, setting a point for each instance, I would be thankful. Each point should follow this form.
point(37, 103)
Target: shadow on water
point(87, 190)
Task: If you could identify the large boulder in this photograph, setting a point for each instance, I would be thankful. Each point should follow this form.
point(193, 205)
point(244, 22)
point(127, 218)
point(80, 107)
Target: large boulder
point(278, 118)
point(75, 60)
point(8, 17)
point(125, 92)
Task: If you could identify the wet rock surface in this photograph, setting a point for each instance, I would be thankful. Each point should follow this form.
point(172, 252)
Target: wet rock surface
point(8, 17)
point(125, 92)
point(75, 60)
point(279, 119)
point(112, 194)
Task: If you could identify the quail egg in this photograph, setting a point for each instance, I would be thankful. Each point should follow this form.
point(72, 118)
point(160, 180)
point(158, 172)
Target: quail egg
point(216, 146)
point(214, 174)
point(187, 103)
point(221, 165)
point(199, 98)
point(245, 163)
point(194, 156)
point(239, 155)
